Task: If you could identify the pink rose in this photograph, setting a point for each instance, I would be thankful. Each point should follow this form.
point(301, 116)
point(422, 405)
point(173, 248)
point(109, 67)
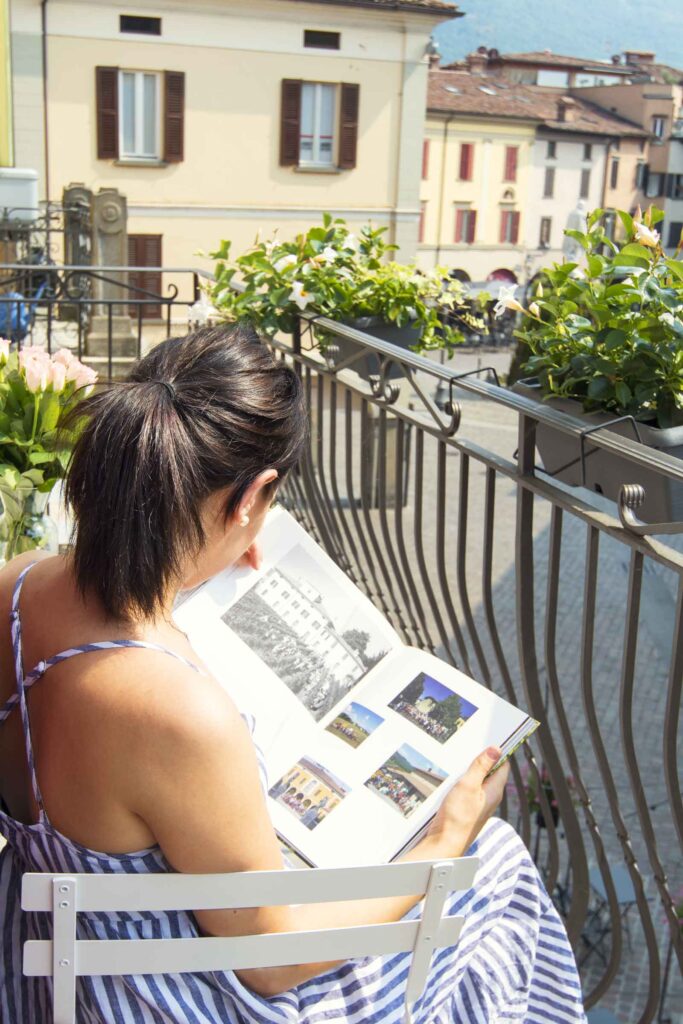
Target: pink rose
point(35, 370)
point(84, 376)
point(57, 376)
point(63, 356)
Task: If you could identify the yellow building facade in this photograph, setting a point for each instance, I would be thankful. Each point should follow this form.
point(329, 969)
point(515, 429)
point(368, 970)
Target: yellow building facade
point(224, 175)
point(6, 139)
point(473, 193)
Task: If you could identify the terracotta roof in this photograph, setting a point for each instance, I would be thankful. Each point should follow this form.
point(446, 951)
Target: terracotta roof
point(549, 59)
point(546, 59)
point(460, 92)
point(443, 7)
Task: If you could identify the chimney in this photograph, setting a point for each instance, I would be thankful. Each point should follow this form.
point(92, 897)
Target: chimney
point(477, 62)
point(567, 109)
point(639, 56)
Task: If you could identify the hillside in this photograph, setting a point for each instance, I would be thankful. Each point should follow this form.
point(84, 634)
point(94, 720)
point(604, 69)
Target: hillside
point(584, 28)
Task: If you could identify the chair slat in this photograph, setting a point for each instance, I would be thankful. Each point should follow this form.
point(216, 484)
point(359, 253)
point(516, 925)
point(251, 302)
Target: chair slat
point(151, 892)
point(176, 956)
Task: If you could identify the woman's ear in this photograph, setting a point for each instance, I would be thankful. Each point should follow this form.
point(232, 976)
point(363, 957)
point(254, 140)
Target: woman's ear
point(253, 498)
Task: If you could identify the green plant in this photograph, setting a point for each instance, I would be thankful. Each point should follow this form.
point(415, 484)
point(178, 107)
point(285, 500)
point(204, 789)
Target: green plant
point(610, 333)
point(35, 390)
point(331, 272)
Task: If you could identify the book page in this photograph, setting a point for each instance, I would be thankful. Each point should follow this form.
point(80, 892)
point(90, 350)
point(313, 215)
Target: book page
point(378, 765)
point(289, 640)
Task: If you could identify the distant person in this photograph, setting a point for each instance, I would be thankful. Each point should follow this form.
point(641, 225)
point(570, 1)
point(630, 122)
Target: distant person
point(125, 755)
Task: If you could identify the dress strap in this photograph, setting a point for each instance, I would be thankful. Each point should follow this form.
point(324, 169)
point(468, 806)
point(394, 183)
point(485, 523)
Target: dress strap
point(15, 629)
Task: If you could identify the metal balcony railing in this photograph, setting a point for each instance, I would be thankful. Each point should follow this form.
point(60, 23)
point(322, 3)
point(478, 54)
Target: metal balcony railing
point(424, 487)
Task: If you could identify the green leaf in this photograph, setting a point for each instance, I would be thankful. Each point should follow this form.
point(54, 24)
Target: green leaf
point(627, 220)
point(623, 393)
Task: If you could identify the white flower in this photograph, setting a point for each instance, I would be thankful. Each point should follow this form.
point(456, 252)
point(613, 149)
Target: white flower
point(534, 309)
point(645, 235)
point(507, 300)
point(299, 295)
point(328, 255)
point(351, 242)
point(578, 273)
point(4, 350)
point(284, 262)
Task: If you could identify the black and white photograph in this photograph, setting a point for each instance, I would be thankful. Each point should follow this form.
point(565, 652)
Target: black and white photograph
point(302, 625)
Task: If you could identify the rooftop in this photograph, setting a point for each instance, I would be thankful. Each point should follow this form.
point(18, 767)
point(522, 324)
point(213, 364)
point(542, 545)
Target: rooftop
point(461, 92)
point(432, 7)
point(630, 64)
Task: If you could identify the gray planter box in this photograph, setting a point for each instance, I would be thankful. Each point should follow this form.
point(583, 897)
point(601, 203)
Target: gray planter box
point(403, 337)
point(605, 473)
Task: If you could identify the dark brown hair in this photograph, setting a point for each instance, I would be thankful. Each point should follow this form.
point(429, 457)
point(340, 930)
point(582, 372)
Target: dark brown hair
point(197, 414)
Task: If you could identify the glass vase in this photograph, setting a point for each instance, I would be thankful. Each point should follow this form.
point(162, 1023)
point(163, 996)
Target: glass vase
point(33, 530)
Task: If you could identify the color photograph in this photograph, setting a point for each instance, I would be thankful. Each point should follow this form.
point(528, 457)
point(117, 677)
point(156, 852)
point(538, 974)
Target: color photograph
point(354, 724)
point(406, 779)
point(432, 707)
point(309, 791)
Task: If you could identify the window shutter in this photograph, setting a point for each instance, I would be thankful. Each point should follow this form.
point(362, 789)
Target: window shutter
point(459, 216)
point(471, 226)
point(348, 125)
point(174, 116)
point(107, 101)
point(504, 225)
point(514, 231)
point(510, 163)
point(466, 161)
point(290, 122)
point(425, 159)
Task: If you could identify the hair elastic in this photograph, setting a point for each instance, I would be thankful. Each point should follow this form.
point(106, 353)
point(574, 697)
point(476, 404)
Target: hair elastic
point(169, 387)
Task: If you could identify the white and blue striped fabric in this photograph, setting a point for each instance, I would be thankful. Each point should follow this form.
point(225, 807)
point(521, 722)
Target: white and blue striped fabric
point(512, 964)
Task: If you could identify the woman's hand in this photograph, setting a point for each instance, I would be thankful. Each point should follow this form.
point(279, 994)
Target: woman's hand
point(252, 557)
point(469, 804)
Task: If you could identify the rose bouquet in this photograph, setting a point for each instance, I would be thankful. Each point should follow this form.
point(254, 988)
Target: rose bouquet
point(36, 390)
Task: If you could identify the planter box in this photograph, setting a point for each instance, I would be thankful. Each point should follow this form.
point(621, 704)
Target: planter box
point(605, 473)
point(403, 337)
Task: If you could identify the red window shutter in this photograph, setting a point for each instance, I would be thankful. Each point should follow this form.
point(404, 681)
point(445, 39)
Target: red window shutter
point(511, 163)
point(503, 226)
point(290, 122)
point(466, 161)
point(107, 101)
point(459, 221)
point(425, 159)
point(174, 116)
point(421, 227)
point(514, 230)
point(471, 226)
point(348, 125)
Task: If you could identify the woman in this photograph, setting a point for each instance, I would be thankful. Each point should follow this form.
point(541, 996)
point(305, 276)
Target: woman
point(119, 741)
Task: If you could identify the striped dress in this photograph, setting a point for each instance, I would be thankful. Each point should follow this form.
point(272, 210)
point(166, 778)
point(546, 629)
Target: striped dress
point(512, 963)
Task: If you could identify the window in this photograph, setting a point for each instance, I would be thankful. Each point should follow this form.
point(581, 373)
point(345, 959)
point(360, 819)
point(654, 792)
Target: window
point(510, 173)
point(654, 185)
point(509, 227)
point(421, 227)
point(675, 234)
point(640, 175)
point(544, 236)
point(614, 173)
point(466, 161)
point(140, 115)
point(551, 151)
point(140, 25)
point(139, 120)
point(587, 151)
point(322, 40)
point(425, 159)
point(465, 225)
point(585, 186)
point(549, 183)
point(319, 125)
point(675, 189)
point(658, 127)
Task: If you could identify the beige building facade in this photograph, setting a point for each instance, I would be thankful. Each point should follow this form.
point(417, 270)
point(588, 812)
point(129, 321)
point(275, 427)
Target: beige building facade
point(229, 119)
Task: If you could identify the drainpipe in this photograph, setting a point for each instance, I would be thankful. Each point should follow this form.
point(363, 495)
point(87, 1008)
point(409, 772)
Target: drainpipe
point(43, 26)
point(442, 188)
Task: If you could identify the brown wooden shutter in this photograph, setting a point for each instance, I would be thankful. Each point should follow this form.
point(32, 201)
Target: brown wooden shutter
point(174, 116)
point(290, 122)
point(471, 226)
point(144, 251)
point(348, 125)
point(504, 225)
point(514, 231)
point(510, 163)
point(425, 159)
point(107, 101)
point(466, 161)
point(459, 215)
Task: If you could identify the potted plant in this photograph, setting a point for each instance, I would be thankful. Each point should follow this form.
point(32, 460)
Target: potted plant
point(607, 341)
point(329, 271)
point(35, 390)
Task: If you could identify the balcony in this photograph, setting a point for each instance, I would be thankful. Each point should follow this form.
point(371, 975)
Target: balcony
point(421, 483)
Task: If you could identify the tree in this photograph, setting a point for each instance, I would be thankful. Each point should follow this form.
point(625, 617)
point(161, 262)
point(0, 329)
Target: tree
point(414, 690)
point(358, 639)
point(447, 712)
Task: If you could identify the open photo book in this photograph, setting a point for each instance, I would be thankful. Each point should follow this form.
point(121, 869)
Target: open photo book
point(362, 737)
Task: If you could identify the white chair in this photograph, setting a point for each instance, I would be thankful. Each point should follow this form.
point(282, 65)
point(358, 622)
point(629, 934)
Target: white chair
point(66, 958)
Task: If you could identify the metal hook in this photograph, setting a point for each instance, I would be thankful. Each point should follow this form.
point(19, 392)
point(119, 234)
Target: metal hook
point(631, 497)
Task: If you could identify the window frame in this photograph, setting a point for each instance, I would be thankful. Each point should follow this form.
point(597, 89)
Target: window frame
point(653, 176)
point(421, 222)
point(509, 226)
point(466, 216)
point(138, 157)
point(587, 152)
point(313, 164)
point(585, 183)
point(614, 172)
point(662, 119)
point(544, 237)
point(549, 177)
point(551, 149)
point(333, 37)
point(153, 25)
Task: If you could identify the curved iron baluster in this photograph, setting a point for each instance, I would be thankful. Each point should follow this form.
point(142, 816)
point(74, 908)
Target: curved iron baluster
point(442, 454)
point(417, 610)
point(463, 501)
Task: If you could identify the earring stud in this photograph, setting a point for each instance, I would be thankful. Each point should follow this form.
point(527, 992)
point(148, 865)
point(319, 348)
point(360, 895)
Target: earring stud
point(244, 520)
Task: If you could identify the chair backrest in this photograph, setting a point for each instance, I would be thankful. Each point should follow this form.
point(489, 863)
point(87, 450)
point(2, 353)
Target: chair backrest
point(65, 958)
